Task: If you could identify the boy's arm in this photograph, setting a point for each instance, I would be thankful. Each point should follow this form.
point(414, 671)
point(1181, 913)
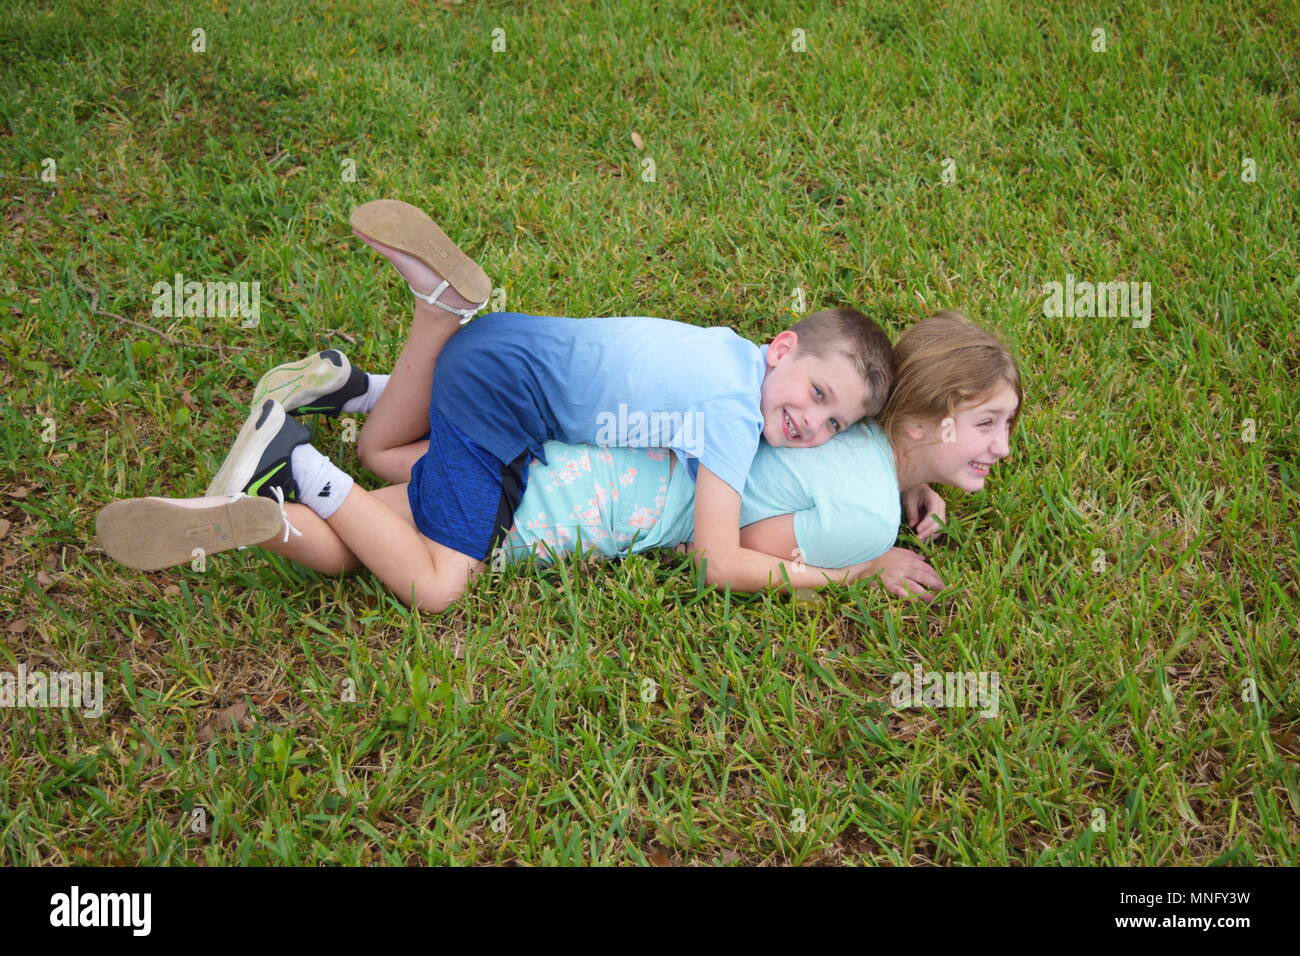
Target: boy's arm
point(717, 538)
point(901, 572)
point(774, 536)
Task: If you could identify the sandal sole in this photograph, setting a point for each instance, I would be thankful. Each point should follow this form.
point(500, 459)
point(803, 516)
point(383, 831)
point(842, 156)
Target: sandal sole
point(149, 534)
point(401, 226)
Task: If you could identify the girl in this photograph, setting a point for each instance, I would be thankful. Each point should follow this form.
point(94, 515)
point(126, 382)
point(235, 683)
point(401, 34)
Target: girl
point(948, 420)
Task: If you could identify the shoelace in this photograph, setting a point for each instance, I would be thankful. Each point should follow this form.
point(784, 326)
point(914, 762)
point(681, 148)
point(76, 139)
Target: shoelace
point(432, 299)
point(279, 497)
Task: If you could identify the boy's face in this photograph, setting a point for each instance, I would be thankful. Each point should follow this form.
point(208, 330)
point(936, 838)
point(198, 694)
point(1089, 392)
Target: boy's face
point(961, 450)
point(806, 400)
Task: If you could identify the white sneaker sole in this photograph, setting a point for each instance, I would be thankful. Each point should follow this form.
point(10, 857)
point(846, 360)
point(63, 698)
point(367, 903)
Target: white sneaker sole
point(298, 384)
point(237, 469)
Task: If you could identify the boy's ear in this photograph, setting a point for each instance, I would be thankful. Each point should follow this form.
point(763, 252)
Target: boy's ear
point(914, 430)
point(785, 343)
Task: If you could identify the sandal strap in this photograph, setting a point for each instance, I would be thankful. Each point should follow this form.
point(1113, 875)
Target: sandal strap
point(432, 299)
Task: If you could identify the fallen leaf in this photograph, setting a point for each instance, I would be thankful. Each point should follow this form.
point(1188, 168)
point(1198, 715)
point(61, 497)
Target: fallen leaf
point(19, 492)
point(1288, 744)
point(44, 580)
point(16, 627)
point(171, 590)
point(5, 525)
point(658, 858)
point(636, 140)
point(227, 718)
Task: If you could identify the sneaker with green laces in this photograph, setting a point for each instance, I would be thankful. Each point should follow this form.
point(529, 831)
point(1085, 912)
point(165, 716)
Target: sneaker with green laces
point(258, 462)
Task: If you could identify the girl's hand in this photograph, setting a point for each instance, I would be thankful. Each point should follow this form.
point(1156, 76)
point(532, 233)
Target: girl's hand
point(903, 573)
point(925, 511)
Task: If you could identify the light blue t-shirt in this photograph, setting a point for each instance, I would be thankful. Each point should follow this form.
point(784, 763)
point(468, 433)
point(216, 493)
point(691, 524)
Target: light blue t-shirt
point(512, 382)
point(843, 493)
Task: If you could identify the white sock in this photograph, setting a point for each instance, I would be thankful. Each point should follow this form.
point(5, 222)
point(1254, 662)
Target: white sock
point(322, 486)
point(375, 385)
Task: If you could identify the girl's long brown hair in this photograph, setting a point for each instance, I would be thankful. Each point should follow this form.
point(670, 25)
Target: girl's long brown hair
point(942, 363)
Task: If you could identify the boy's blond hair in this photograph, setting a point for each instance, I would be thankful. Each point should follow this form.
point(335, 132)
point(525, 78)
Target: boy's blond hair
point(942, 363)
point(860, 340)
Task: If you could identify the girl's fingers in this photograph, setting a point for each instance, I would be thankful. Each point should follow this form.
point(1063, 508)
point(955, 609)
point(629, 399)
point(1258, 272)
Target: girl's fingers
point(926, 575)
point(919, 591)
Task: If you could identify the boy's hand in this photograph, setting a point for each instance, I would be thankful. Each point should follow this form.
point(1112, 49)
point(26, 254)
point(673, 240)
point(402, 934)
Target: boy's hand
point(925, 511)
point(904, 573)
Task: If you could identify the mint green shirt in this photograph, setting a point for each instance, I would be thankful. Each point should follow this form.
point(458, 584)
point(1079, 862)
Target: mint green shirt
point(843, 494)
point(618, 501)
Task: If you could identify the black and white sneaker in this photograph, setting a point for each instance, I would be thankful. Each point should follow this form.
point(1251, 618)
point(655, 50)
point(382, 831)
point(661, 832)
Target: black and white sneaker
point(258, 462)
point(318, 384)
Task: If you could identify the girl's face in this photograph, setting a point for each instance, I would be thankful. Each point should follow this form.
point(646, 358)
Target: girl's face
point(962, 449)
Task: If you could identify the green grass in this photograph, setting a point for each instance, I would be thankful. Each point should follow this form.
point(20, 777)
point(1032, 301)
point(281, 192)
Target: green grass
point(522, 707)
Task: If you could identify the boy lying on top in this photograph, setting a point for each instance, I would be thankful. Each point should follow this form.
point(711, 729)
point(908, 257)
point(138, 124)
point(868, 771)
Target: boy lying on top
point(505, 385)
point(949, 418)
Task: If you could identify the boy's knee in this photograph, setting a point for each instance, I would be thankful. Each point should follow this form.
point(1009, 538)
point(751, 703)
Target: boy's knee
point(434, 603)
point(366, 451)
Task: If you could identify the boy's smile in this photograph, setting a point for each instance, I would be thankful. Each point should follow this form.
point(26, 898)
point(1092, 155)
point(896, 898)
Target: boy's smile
point(806, 400)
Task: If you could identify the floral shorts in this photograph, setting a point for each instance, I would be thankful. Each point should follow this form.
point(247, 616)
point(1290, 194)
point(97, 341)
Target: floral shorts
point(605, 501)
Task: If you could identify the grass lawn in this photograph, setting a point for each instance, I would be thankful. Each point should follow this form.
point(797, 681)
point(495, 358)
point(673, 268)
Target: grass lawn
point(1130, 572)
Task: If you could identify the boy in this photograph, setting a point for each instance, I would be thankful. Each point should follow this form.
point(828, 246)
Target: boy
point(508, 383)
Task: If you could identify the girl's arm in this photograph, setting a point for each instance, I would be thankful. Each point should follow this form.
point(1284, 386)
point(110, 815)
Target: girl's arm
point(924, 510)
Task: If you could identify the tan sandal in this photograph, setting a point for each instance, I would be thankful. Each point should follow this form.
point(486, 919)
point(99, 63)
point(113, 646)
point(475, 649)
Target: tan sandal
point(153, 533)
point(403, 227)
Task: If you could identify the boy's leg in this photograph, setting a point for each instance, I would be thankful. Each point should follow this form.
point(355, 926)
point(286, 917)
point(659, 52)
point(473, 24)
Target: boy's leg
point(376, 529)
point(319, 547)
point(272, 457)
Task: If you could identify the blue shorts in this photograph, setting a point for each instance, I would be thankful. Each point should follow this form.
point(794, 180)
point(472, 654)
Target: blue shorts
point(461, 496)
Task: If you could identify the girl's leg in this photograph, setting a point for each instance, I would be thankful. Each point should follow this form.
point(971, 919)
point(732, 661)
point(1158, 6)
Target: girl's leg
point(394, 464)
point(390, 441)
point(421, 573)
point(319, 547)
